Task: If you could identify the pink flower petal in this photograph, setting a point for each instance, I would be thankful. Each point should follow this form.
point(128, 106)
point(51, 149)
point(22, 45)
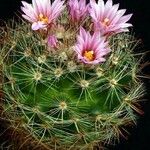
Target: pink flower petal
point(38, 25)
point(125, 18)
point(107, 18)
point(28, 18)
point(35, 6)
point(41, 13)
point(95, 44)
point(78, 10)
point(52, 41)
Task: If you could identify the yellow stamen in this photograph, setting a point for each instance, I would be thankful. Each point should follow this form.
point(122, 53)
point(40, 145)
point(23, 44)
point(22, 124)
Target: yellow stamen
point(89, 55)
point(43, 19)
point(106, 22)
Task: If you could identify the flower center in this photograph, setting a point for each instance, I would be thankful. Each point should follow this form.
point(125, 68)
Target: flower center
point(89, 55)
point(43, 19)
point(106, 22)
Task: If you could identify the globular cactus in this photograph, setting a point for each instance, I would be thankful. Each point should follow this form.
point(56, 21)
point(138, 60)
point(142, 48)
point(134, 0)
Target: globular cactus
point(63, 100)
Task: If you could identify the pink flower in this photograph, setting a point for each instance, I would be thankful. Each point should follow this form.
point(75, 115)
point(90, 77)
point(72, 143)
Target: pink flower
point(41, 13)
point(78, 10)
point(91, 49)
point(52, 41)
point(107, 18)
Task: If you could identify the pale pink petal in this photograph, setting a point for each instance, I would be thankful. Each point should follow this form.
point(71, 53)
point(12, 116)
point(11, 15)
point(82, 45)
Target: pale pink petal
point(126, 25)
point(108, 4)
point(26, 5)
point(29, 13)
point(122, 30)
point(107, 18)
point(35, 6)
point(38, 25)
point(78, 10)
point(28, 18)
point(39, 6)
point(91, 43)
point(119, 14)
point(45, 3)
point(56, 8)
point(52, 41)
point(101, 7)
point(41, 13)
point(125, 18)
point(113, 12)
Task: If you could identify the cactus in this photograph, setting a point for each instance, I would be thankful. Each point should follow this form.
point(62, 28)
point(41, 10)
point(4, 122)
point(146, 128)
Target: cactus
point(63, 103)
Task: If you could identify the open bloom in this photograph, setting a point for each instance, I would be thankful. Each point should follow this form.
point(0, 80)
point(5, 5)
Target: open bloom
point(91, 49)
point(107, 18)
point(41, 13)
point(78, 9)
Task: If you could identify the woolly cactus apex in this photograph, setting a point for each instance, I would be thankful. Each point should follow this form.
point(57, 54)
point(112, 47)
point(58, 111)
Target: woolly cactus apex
point(57, 94)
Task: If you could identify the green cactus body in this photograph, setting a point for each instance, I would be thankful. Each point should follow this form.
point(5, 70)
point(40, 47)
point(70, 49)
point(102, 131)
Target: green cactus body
point(62, 102)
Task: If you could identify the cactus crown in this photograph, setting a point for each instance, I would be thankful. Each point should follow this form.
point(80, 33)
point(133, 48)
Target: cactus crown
point(61, 101)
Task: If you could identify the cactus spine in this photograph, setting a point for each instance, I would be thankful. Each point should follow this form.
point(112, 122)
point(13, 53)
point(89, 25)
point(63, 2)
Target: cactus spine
point(65, 104)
